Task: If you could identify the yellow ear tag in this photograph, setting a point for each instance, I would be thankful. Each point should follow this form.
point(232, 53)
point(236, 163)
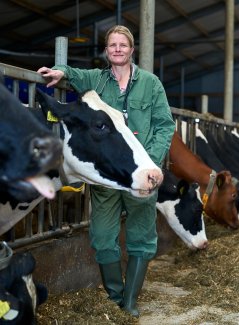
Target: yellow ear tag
point(181, 190)
point(4, 308)
point(72, 189)
point(51, 118)
point(204, 199)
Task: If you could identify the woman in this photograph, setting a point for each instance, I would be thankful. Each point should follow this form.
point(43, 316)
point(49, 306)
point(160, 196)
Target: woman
point(141, 97)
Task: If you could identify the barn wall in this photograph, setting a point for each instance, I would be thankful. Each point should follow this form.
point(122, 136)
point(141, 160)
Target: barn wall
point(211, 83)
point(65, 264)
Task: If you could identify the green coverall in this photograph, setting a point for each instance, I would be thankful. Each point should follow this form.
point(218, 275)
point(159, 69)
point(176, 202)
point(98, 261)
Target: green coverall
point(149, 117)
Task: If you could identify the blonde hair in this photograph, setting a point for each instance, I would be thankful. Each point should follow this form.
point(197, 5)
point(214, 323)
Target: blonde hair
point(120, 30)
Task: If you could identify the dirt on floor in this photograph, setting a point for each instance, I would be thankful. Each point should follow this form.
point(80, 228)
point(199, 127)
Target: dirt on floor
point(182, 287)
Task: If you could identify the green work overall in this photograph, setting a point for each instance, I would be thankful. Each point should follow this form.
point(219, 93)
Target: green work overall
point(140, 227)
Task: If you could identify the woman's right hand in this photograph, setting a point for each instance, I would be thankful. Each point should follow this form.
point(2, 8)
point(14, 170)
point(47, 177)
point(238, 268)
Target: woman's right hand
point(54, 75)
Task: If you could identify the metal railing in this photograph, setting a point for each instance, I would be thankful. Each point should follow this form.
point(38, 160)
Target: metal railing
point(69, 212)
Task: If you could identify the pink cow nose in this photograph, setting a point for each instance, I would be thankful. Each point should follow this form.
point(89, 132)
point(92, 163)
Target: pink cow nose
point(155, 181)
point(204, 245)
point(155, 178)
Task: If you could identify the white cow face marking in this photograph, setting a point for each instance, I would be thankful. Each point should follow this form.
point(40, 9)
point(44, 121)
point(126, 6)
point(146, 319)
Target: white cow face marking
point(31, 288)
point(181, 205)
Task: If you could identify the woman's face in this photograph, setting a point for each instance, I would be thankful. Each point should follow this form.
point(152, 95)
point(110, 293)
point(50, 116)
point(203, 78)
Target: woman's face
point(118, 49)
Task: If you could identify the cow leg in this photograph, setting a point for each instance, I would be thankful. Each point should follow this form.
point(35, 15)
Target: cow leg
point(111, 274)
point(135, 274)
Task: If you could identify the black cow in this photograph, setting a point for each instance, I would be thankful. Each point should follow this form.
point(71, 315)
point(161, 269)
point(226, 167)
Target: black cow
point(19, 294)
point(206, 152)
point(226, 150)
point(28, 150)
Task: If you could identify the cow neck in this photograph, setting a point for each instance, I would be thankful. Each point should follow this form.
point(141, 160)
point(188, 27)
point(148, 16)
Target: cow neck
point(209, 189)
point(56, 130)
point(185, 164)
point(66, 186)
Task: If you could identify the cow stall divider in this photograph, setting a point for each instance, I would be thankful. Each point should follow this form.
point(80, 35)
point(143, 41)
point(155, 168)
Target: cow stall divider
point(68, 215)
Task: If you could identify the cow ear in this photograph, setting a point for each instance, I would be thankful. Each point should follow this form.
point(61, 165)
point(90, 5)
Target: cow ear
point(23, 263)
point(47, 103)
point(220, 180)
point(182, 187)
point(194, 185)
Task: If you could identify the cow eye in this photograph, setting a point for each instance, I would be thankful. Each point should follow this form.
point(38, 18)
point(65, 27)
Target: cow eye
point(234, 196)
point(101, 126)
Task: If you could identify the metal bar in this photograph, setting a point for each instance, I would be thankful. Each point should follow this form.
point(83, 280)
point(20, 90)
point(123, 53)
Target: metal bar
point(229, 55)
point(31, 94)
point(28, 75)
point(47, 235)
point(119, 12)
point(146, 38)
point(182, 87)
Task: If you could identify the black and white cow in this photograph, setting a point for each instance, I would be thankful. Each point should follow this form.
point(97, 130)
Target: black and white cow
point(96, 129)
point(180, 204)
point(226, 149)
point(28, 150)
point(98, 148)
point(207, 153)
point(19, 294)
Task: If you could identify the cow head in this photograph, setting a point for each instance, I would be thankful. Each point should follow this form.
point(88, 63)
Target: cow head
point(99, 148)
point(181, 205)
point(221, 205)
point(19, 294)
point(27, 151)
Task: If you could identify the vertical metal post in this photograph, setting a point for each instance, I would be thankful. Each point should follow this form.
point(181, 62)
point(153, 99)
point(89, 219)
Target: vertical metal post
point(96, 39)
point(31, 94)
point(61, 51)
point(161, 68)
point(182, 87)
point(146, 37)
point(119, 12)
point(229, 55)
point(77, 19)
point(204, 104)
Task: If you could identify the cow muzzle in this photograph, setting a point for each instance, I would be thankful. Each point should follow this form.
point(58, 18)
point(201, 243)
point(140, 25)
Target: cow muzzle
point(46, 152)
point(147, 181)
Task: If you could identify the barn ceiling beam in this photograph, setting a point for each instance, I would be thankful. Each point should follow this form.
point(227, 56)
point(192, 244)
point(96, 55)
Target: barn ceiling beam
point(40, 12)
point(191, 21)
point(14, 36)
point(204, 56)
point(87, 21)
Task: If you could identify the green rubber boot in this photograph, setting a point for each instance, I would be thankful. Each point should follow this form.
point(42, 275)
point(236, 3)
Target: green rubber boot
point(111, 275)
point(135, 274)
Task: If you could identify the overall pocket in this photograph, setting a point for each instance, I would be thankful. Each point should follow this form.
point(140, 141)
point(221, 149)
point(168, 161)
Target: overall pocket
point(139, 116)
